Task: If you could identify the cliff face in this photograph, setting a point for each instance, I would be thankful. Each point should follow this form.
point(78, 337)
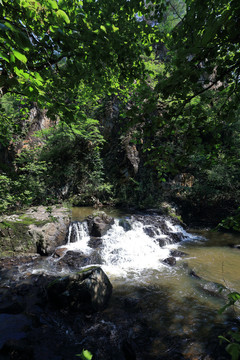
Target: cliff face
point(135, 182)
point(120, 154)
point(36, 121)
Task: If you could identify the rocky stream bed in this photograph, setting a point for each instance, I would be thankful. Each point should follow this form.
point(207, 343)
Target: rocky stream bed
point(54, 315)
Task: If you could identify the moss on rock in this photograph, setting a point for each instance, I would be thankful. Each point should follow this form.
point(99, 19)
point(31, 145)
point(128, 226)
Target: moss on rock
point(14, 237)
point(36, 230)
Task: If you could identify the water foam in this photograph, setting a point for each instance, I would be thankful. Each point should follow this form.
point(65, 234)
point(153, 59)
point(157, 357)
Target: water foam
point(132, 251)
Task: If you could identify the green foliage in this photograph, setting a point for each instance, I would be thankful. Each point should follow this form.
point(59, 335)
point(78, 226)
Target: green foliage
point(193, 123)
point(176, 80)
point(233, 297)
point(12, 116)
point(85, 355)
point(233, 339)
point(7, 200)
point(231, 222)
point(233, 347)
point(49, 48)
point(66, 163)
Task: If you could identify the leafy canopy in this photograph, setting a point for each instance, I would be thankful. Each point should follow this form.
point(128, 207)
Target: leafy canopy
point(48, 47)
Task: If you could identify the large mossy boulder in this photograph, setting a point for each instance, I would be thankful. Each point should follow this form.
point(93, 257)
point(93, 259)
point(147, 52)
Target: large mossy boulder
point(38, 230)
point(86, 291)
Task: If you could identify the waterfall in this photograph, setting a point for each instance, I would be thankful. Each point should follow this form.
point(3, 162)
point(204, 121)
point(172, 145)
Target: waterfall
point(135, 244)
point(132, 250)
point(78, 237)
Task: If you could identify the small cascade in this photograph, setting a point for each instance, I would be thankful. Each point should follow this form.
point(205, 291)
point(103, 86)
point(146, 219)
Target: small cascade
point(78, 236)
point(184, 235)
point(132, 250)
point(131, 245)
point(77, 231)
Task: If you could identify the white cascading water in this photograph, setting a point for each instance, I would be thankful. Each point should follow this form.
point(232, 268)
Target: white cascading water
point(127, 251)
point(78, 230)
point(185, 236)
point(133, 250)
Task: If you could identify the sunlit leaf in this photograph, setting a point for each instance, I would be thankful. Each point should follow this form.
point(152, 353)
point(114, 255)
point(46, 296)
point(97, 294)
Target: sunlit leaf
point(61, 14)
point(4, 57)
point(102, 27)
point(20, 56)
point(85, 355)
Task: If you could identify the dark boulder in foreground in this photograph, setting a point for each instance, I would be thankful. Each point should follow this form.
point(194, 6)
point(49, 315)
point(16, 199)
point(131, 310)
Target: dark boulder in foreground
point(87, 290)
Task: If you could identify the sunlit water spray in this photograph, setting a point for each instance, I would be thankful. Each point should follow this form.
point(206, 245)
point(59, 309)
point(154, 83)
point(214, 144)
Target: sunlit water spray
point(131, 250)
point(123, 252)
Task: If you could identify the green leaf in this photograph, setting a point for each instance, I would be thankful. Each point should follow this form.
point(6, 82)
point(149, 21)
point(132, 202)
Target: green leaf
point(234, 350)
point(85, 355)
point(102, 27)
point(4, 57)
point(12, 58)
point(115, 28)
point(53, 4)
point(222, 338)
point(63, 15)
point(20, 56)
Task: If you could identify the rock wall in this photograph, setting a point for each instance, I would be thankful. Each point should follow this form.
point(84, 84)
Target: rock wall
point(39, 230)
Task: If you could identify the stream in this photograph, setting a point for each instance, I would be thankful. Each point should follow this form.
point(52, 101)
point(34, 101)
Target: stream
point(159, 310)
point(181, 302)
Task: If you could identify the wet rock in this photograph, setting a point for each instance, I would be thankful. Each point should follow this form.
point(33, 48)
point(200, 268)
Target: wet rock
point(157, 221)
point(75, 231)
point(10, 262)
point(59, 252)
point(170, 261)
point(76, 260)
point(176, 237)
point(88, 290)
point(95, 243)
point(151, 231)
point(177, 253)
point(99, 225)
point(193, 274)
point(213, 289)
point(10, 306)
point(125, 224)
point(157, 225)
point(163, 241)
point(130, 303)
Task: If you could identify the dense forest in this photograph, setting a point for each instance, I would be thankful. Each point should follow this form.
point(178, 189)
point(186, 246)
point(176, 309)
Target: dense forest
point(131, 107)
point(127, 103)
